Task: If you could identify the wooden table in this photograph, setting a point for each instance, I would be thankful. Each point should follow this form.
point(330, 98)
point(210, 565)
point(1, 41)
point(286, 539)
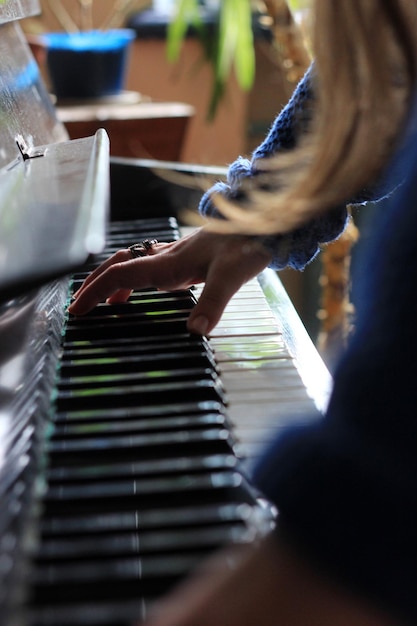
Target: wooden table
point(137, 126)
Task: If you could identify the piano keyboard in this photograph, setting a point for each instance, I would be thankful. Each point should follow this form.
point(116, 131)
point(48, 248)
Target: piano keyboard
point(151, 436)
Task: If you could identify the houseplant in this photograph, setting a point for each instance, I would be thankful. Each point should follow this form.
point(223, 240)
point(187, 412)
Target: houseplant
point(85, 61)
point(230, 45)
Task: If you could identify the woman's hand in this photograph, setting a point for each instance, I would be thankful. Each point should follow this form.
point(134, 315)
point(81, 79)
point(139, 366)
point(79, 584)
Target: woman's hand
point(223, 262)
point(264, 584)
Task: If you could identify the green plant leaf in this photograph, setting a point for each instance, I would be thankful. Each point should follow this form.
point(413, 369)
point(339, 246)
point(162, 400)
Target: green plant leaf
point(298, 5)
point(186, 12)
point(236, 45)
point(231, 44)
point(245, 54)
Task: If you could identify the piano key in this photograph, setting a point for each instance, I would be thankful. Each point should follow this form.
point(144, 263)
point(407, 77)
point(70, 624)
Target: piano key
point(109, 427)
point(81, 350)
point(116, 578)
point(148, 343)
point(148, 468)
point(148, 302)
point(148, 542)
point(129, 378)
point(174, 490)
point(127, 328)
point(96, 613)
point(140, 394)
point(188, 516)
point(84, 367)
point(156, 410)
point(156, 443)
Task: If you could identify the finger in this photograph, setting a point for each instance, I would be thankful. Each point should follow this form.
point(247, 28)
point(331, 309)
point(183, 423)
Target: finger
point(210, 307)
point(119, 257)
point(113, 279)
point(158, 271)
point(122, 295)
point(222, 283)
point(203, 599)
point(159, 247)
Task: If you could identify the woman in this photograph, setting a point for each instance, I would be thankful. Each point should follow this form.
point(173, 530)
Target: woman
point(345, 548)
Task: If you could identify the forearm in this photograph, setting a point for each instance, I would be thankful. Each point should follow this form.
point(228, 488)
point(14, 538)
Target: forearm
point(300, 247)
point(267, 583)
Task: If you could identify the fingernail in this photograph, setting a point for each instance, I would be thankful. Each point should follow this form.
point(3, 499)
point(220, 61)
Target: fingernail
point(199, 325)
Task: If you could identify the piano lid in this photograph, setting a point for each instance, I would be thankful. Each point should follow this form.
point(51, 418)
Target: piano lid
point(11, 10)
point(53, 210)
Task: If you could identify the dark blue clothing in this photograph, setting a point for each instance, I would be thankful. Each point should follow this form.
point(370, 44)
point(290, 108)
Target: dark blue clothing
point(346, 485)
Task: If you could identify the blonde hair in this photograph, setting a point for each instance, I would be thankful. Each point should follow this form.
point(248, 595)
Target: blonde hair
point(365, 71)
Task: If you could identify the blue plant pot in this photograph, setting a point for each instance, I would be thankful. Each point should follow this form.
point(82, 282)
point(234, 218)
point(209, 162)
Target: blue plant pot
point(89, 64)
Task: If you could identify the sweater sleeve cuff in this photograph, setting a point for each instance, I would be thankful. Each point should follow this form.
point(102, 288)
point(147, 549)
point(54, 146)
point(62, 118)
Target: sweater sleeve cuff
point(296, 249)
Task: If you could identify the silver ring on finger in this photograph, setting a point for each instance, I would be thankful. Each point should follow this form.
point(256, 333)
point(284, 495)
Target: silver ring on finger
point(142, 248)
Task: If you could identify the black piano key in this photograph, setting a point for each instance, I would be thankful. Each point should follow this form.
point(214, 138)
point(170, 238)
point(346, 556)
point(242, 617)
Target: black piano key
point(102, 612)
point(147, 299)
point(107, 427)
point(148, 224)
point(146, 295)
point(105, 319)
point(141, 298)
point(144, 346)
point(107, 578)
point(118, 243)
point(142, 304)
point(137, 231)
point(153, 411)
point(122, 545)
point(132, 447)
point(122, 327)
point(140, 469)
point(151, 393)
point(115, 346)
point(131, 232)
point(187, 516)
point(142, 362)
point(131, 378)
point(216, 487)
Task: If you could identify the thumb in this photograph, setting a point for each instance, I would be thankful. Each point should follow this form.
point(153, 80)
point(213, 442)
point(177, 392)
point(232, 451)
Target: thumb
point(231, 268)
point(212, 302)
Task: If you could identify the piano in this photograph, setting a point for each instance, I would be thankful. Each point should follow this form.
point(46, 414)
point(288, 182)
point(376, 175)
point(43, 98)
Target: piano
point(126, 444)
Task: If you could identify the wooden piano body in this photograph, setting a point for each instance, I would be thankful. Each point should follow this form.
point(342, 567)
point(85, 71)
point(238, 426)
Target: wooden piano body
point(125, 443)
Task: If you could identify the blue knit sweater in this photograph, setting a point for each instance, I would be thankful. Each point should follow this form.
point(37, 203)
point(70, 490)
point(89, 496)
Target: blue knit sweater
point(346, 485)
point(300, 247)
